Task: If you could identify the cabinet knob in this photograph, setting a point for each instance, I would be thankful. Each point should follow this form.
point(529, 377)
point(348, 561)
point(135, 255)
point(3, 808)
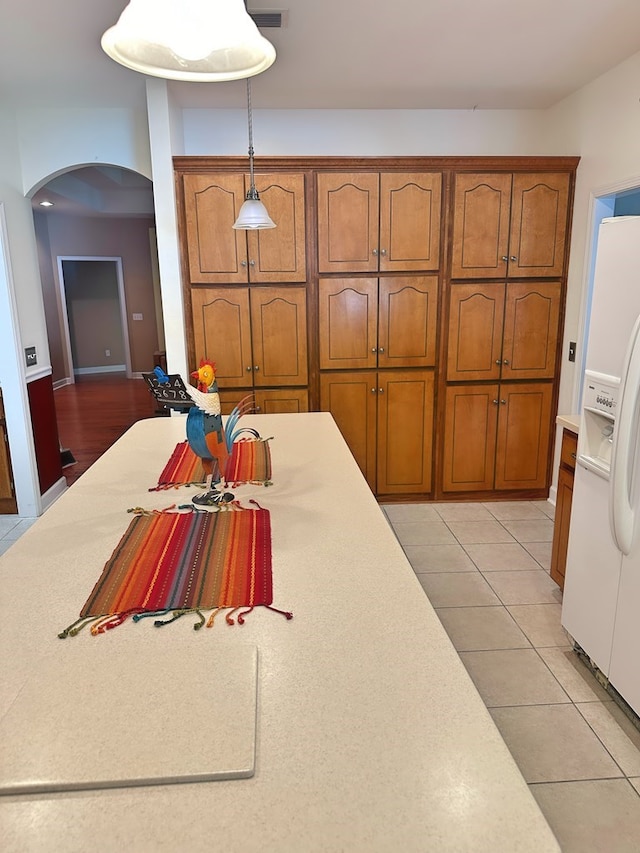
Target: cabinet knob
point(243, 263)
point(380, 390)
point(380, 349)
point(256, 367)
point(257, 409)
point(249, 369)
point(373, 390)
point(503, 402)
point(252, 263)
point(505, 361)
point(498, 361)
point(505, 258)
point(374, 252)
point(495, 402)
point(374, 349)
point(513, 258)
point(383, 251)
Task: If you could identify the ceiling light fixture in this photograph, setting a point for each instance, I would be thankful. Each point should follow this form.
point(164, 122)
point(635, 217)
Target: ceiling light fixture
point(193, 40)
point(46, 204)
point(253, 214)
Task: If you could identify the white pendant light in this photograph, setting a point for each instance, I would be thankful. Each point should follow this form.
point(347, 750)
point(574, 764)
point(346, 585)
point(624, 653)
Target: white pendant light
point(253, 214)
point(194, 40)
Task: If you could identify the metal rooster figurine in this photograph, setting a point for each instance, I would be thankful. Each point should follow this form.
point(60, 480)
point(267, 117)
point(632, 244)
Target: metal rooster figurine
point(209, 438)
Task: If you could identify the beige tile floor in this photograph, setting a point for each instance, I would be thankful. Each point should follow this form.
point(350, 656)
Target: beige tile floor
point(485, 569)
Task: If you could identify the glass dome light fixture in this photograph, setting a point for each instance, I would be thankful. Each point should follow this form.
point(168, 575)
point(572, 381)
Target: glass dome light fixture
point(253, 214)
point(194, 40)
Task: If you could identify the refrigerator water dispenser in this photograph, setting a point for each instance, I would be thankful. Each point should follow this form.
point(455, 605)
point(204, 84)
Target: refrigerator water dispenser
point(600, 404)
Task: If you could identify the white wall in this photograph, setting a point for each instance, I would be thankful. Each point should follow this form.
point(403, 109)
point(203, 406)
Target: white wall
point(366, 133)
point(601, 123)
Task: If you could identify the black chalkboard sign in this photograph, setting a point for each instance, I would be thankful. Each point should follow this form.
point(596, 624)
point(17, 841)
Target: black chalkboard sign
point(172, 393)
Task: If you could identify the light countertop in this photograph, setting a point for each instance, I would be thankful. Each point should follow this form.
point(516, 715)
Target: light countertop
point(370, 734)
point(570, 422)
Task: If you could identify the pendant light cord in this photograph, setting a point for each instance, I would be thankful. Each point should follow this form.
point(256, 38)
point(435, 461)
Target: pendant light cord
point(252, 189)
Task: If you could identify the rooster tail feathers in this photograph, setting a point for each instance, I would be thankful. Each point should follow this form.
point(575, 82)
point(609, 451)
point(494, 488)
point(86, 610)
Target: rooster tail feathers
point(246, 405)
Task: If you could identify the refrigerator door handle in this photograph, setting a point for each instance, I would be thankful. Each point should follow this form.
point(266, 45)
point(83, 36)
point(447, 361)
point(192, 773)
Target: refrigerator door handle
point(622, 515)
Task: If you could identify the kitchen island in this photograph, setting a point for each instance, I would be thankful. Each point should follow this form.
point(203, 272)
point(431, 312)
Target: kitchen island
point(370, 735)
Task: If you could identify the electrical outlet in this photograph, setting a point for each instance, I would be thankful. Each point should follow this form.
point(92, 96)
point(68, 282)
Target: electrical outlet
point(137, 316)
point(30, 356)
point(107, 352)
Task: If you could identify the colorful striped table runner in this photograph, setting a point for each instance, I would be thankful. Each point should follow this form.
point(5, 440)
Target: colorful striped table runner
point(170, 563)
point(250, 462)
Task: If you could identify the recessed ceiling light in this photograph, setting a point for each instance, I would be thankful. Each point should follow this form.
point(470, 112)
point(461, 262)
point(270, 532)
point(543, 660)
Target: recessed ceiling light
point(46, 204)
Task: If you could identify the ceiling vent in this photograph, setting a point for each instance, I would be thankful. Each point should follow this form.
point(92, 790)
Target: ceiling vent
point(266, 19)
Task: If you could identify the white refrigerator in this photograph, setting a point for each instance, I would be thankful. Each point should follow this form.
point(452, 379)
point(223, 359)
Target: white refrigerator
point(601, 600)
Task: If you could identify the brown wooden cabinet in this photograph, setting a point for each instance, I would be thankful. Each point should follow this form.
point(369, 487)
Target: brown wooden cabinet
point(217, 254)
point(503, 331)
point(370, 221)
point(496, 437)
point(8, 504)
point(509, 225)
point(256, 335)
point(370, 322)
point(564, 498)
point(386, 418)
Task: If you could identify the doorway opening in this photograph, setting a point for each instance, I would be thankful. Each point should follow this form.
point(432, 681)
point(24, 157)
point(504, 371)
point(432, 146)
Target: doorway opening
point(94, 315)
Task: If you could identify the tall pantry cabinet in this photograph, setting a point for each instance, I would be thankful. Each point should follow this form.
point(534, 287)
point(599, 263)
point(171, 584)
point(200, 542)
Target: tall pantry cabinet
point(419, 300)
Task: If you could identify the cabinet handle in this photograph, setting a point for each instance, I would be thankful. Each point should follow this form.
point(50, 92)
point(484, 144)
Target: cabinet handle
point(374, 252)
point(383, 251)
point(495, 402)
point(498, 361)
point(503, 402)
point(513, 258)
point(243, 263)
point(380, 349)
point(505, 258)
point(374, 349)
point(252, 263)
point(256, 367)
point(249, 369)
point(573, 456)
point(258, 409)
point(380, 390)
point(505, 361)
point(373, 390)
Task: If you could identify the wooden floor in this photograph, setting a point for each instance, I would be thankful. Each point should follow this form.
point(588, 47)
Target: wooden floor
point(94, 412)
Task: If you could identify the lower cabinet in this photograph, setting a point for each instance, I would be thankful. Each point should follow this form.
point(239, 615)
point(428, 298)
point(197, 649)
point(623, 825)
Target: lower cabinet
point(268, 401)
point(564, 498)
point(386, 418)
point(496, 436)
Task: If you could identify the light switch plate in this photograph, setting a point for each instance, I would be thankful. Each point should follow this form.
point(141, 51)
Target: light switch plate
point(30, 356)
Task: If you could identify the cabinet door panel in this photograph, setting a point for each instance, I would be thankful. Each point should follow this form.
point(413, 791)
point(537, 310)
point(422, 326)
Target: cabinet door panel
point(281, 400)
point(278, 254)
point(524, 423)
point(222, 332)
point(348, 205)
point(475, 331)
point(538, 224)
point(351, 399)
point(279, 335)
point(561, 524)
point(480, 225)
point(216, 253)
point(348, 314)
point(410, 206)
point(407, 321)
point(470, 438)
point(531, 317)
point(405, 432)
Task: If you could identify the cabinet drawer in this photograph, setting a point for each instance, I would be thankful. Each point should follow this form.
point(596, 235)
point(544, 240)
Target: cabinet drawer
point(568, 449)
